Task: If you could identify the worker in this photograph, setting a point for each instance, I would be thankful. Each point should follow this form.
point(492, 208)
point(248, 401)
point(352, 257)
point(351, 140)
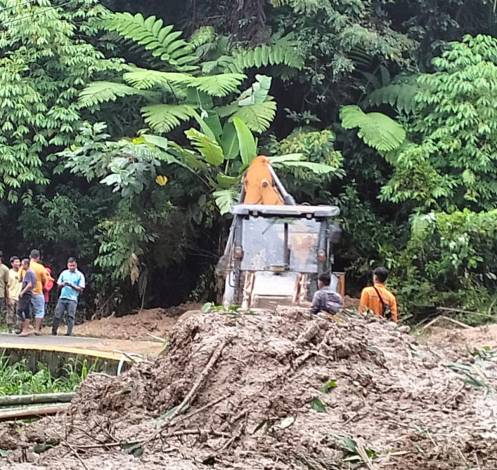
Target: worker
point(326, 299)
point(15, 287)
point(37, 298)
point(24, 308)
point(378, 299)
point(72, 283)
point(4, 286)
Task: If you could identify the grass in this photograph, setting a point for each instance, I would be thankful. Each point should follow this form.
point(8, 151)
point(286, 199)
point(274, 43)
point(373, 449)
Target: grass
point(18, 379)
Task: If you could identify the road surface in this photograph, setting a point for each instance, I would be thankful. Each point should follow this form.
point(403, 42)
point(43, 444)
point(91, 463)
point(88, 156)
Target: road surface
point(99, 347)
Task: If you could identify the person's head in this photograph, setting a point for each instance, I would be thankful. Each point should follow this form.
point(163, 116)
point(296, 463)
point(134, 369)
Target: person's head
point(15, 262)
point(25, 264)
point(35, 255)
point(324, 280)
point(380, 275)
point(72, 264)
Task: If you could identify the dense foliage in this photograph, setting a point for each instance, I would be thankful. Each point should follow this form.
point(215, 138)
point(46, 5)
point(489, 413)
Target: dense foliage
point(125, 128)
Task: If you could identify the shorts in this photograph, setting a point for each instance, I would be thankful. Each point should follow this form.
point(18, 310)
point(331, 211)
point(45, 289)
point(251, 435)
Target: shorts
point(24, 308)
point(38, 304)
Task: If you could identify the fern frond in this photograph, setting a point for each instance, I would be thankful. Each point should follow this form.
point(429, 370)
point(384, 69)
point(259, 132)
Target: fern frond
point(145, 79)
point(301, 6)
point(258, 116)
point(165, 117)
point(217, 85)
point(376, 129)
point(282, 52)
point(400, 96)
point(150, 33)
point(102, 92)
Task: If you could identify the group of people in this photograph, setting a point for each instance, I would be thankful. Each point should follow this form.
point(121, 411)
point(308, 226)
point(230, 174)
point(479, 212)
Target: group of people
point(376, 298)
point(25, 289)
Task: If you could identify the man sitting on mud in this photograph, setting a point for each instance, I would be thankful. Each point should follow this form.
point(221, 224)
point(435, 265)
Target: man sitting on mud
point(326, 299)
point(378, 299)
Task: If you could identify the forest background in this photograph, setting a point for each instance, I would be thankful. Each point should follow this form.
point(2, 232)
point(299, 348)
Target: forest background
point(125, 127)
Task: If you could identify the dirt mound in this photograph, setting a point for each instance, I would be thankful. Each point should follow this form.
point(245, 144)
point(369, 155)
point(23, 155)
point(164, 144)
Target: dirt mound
point(470, 338)
point(135, 325)
point(279, 390)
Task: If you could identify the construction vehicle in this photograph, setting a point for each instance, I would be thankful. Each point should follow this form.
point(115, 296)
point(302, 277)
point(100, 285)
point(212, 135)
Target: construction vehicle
point(276, 248)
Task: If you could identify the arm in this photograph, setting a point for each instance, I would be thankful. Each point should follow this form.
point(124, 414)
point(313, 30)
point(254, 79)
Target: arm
point(6, 284)
point(364, 302)
point(394, 310)
point(315, 307)
point(60, 280)
point(81, 285)
point(337, 304)
point(30, 284)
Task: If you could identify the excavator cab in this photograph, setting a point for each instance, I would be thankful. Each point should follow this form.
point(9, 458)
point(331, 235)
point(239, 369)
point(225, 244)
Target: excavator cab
point(275, 250)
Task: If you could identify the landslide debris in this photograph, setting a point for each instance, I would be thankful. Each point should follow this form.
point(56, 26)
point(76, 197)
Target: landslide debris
point(279, 390)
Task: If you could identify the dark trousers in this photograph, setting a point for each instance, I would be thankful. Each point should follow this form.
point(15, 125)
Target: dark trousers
point(63, 306)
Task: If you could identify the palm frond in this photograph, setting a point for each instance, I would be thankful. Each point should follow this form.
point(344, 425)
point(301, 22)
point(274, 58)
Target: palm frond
point(102, 92)
point(145, 79)
point(258, 117)
point(150, 33)
point(400, 96)
point(282, 52)
point(217, 85)
point(165, 117)
point(376, 129)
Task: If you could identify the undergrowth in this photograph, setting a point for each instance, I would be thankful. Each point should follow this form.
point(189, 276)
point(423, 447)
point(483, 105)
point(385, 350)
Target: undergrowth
point(18, 379)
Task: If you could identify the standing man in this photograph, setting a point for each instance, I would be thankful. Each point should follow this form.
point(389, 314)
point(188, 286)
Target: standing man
point(378, 298)
point(326, 299)
point(72, 283)
point(38, 299)
point(25, 297)
point(4, 285)
point(15, 287)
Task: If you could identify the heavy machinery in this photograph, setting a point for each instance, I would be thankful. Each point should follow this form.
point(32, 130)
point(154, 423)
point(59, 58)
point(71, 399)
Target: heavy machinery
point(276, 248)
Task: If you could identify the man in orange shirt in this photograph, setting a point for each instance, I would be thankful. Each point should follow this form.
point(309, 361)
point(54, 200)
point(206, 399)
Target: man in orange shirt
point(37, 298)
point(378, 298)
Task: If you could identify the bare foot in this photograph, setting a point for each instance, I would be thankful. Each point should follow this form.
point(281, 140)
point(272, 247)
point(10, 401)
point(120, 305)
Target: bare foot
point(24, 333)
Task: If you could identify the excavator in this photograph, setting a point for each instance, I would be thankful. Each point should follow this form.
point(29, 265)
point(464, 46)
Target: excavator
point(276, 248)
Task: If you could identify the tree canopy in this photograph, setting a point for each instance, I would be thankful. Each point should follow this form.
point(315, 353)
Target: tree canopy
point(125, 128)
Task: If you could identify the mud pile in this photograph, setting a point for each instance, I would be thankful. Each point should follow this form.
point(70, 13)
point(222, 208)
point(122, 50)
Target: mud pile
point(278, 390)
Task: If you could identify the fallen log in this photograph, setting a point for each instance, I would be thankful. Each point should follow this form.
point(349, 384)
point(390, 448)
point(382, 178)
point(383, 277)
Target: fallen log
point(9, 400)
point(32, 412)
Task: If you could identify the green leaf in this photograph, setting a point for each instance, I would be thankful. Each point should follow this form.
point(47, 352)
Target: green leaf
point(224, 200)
point(289, 157)
point(257, 93)
point(209, 148)
point(318, 405)
point(246, 141)
point(156, 140)
point(165, 117)
point(226, 182)
point(229, 141)
point(317, 168)
point(103, 92)
point(328, 386)
point(376, 129)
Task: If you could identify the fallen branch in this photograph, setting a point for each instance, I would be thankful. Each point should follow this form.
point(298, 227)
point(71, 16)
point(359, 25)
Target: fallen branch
point(458, 323)
point(32, 412)
point(193, 392)
point(9, 400)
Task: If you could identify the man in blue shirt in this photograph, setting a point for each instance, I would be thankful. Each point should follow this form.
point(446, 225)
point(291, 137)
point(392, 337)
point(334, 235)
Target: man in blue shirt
point(24, 312)
point(72, 283)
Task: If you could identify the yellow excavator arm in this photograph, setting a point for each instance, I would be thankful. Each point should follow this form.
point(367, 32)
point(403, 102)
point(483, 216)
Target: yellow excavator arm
point(259, 185)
